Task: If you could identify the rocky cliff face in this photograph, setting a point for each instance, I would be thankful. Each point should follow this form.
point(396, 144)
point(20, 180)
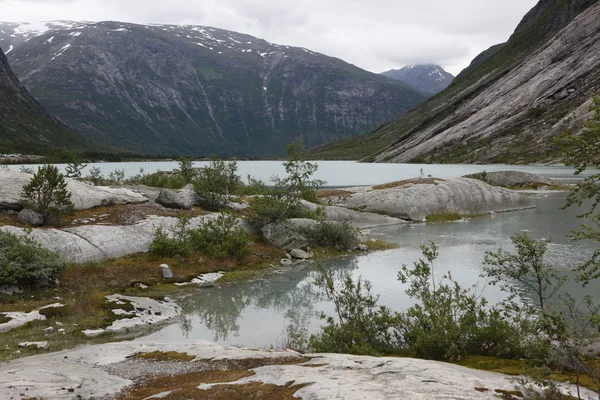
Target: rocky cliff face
point(428, 79)
point(25, 126)
point(507, 107)
point(198, 90)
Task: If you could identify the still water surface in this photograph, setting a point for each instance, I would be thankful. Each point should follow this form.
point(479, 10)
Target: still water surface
point(343, 173)
point(257, 313)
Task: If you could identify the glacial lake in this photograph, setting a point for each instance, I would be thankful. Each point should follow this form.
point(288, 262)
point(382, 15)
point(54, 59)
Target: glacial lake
point(341, 173)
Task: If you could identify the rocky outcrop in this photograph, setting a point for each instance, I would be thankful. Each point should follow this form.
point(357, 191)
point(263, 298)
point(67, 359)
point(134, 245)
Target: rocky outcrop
point(97, 242)
point(358, 219)
point(84, 196)
point(511, 179)
point(103, 371)
point(417, 201)
point(30, 217)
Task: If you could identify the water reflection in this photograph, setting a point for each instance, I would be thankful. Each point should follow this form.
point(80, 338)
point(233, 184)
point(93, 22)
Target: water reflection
point(256, 313)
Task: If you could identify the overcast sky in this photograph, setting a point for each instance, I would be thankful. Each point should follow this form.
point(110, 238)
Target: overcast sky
point(376, 35)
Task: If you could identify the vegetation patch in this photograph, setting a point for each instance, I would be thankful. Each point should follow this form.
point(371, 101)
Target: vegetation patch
point(413, 181)
point(380, 245)
point(164, 356)
point(4, 319)
point(332, 193)
point(450, 217)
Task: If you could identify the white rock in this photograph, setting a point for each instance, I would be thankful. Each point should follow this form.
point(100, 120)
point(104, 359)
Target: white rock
point(48, 330)
point(286, 262)
point(357, 219)
point(93, 332)
point(299, 254)
point(84, 196)
point(39, 345)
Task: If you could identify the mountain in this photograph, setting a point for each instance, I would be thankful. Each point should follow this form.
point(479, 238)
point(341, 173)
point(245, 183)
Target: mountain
point(196, 90)
point(25, 126)
point(509, 105)
point(428, 79)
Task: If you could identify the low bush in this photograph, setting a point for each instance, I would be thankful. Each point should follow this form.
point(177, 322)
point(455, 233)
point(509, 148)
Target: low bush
point(335, 234)
point(271, 208)
point(179, 242)
point(24, 261)
point(222, 238)
point(217, 183)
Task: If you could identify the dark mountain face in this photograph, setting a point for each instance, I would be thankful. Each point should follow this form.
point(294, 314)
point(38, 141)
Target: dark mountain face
point(24, 124)
point(198, 90)
point(428, 79)
point(507, 106)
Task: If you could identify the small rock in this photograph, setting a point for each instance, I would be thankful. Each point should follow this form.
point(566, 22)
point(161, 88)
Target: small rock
point(59, 323)
point(163, 266)
point(93, 332)
point(286, 262)
point(142, 286)
point(10, 290)
point(48, 330)
point(61, 330)
point(288, 256)
point(39, 345)
point(362, 247)
point(299, 254)
point(30, 217)
point(167, 273)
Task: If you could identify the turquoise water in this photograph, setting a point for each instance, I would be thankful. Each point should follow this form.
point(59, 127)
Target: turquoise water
point(256, 313)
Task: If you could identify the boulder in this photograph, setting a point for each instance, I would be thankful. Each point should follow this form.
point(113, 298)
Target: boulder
point(182, 199)
point(286, 262)
point(283, 235)
point(357, 219)
point(299, 254)
point(461, 195)
point(510, 179)
point(30, 217)
point(84, 196)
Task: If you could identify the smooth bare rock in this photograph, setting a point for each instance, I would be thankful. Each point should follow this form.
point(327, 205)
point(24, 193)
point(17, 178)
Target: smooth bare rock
point(357, 219)
point(302, 223)
point(322, 377)
point(560, 73)
point(509, 179)
point(84, 196)
point(461, 195)
point(283, 235)
point(146, 312)
point(98, 242)
point(30, 217)
point(18, 319)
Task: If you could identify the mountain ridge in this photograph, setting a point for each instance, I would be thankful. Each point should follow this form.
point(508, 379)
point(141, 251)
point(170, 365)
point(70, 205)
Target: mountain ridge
point(508, 106)
point(197, 90)
point(426, 78)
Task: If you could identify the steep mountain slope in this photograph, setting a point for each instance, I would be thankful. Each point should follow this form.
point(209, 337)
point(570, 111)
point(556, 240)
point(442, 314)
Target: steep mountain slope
point(199, 90)
point(429, 79)
point(24, 124)
point(508, 106)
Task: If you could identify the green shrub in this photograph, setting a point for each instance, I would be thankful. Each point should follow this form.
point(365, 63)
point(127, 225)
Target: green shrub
point(222, 238)
point(95, 177)
point(159, 179)
point(217, 183)
point(47, 193)
point(267, 209)
point(179, 242)
point(24, 261)
point(253, 187)
point(186, 170)
point(335, 234)
point(360, 326)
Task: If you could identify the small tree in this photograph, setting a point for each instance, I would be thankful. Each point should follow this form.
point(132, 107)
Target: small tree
point(47, 193)
point(217, 183)
point(186, 169)
point(74, 166)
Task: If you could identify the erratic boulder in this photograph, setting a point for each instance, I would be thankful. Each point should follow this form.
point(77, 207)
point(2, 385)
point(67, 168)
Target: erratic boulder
point(417, 201)
point(182, 199)
point(84, 196)
point(299, 254)
point(30, 217)
point(511, 179)
point(284, 236)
